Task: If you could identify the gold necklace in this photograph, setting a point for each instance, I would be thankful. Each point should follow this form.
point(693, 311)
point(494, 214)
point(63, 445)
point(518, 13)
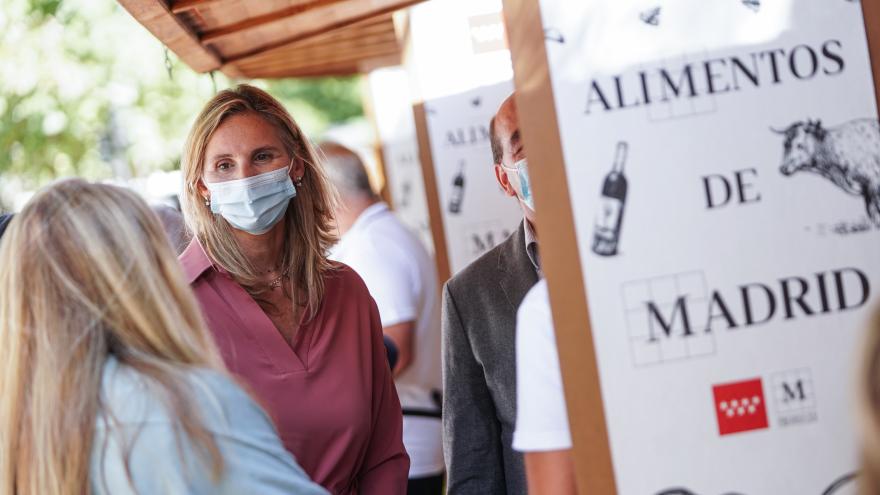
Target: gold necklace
point(276, 282)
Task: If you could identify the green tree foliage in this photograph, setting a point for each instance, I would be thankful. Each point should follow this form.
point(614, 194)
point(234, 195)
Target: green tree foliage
point(84, 91)
point(337, 98)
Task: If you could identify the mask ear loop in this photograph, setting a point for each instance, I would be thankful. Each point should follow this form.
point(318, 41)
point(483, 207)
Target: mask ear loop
point(507, 171)
point(514, 169)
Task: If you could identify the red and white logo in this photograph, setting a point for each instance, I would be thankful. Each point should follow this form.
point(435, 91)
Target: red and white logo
point(740, 406)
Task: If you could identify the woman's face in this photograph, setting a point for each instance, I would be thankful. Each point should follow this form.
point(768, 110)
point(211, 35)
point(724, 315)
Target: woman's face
point(245, 145)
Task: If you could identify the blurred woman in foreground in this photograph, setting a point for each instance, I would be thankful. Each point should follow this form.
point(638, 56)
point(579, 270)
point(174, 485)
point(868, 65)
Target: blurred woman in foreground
point(869, 410)
point(109, 380)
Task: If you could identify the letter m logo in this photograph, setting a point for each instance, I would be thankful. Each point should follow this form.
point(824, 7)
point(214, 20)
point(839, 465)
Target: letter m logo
point(668, 321)
point(664, 318)
point(793, 391)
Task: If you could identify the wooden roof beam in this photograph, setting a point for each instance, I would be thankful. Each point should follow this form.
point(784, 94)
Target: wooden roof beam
point(179, 6)
point(365, 34)
point(331, 54)
point(328, 69)
point(233, 29)
point(327, 21)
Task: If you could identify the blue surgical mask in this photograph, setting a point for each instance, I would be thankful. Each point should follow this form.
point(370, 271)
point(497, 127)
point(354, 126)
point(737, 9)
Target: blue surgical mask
point(253, 204)
point(525, 187)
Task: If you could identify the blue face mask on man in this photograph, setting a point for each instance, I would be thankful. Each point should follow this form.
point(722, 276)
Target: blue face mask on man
point(253, 204)
point(525, 187)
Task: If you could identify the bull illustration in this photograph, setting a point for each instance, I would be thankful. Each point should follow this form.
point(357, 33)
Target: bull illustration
point(848, 155)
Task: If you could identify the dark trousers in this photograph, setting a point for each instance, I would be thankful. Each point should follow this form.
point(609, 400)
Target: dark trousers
point(432, 485)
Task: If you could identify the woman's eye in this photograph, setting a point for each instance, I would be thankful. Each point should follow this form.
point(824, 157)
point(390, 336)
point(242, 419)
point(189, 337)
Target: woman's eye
point(223, 166)
point(261, 157)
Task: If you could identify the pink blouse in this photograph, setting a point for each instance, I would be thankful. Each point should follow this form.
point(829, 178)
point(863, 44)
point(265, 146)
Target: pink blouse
point(330, 391)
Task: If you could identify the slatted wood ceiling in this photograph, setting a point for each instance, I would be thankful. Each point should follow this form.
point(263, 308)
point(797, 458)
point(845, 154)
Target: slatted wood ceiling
point(275, 38)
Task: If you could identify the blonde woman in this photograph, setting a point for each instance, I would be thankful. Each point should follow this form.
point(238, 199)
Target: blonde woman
point(869, 409)
point(109, 381)
point(303, 332)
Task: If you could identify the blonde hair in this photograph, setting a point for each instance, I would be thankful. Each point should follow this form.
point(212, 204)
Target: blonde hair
point(869, 409)
point(86, 272)
point(309, 224)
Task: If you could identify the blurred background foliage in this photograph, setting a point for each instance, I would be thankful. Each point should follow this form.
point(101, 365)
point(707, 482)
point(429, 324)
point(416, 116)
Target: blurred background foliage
point(84, 90)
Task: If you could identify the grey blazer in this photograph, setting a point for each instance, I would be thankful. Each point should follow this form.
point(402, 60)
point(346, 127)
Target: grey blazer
point(479, 375)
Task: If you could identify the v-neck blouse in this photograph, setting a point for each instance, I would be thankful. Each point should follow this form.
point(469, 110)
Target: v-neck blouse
point(329, 392)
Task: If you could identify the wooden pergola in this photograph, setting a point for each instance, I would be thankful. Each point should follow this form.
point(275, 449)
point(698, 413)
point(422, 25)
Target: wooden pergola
point(276, 38)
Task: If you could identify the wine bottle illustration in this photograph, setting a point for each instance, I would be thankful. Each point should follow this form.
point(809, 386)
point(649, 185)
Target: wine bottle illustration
point(405, 194)
point(457, 190)
point(609, 218)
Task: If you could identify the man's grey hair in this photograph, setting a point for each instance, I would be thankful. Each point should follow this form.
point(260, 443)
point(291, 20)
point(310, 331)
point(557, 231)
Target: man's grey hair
point(346, 170)
point(175, 227)
point(497, 148)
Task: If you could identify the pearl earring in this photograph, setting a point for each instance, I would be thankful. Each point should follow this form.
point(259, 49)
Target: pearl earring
point(207, 202)
point(298, 182)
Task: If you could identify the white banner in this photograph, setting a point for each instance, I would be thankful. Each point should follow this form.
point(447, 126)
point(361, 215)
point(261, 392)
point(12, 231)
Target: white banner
point(724, 168)
point(392, 109)
point(457, 45)
point(476, 213)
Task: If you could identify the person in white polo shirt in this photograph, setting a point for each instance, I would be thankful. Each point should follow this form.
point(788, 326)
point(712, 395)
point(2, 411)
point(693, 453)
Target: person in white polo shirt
point(401, 277)
point(542, 432)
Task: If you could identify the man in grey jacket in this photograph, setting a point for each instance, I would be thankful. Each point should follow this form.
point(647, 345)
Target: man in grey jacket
point(479, 331)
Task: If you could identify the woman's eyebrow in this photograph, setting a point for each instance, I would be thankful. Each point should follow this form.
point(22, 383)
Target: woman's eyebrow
point(269, 147)
point(265, 148)
point(220, 156)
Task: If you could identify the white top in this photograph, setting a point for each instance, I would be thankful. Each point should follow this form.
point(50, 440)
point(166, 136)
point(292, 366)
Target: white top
point(402, 278)
point(135, 435)
point(541, 417)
